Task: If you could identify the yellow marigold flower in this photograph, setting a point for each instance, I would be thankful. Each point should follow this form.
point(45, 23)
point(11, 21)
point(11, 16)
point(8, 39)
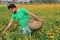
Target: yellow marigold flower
point(42, 30)
point(57, 31)
point(15, 25)
point(52, 36)
point(19, 39)
point(0, 27)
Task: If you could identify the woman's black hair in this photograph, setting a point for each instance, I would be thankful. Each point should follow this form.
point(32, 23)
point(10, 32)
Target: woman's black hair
point(11, 6)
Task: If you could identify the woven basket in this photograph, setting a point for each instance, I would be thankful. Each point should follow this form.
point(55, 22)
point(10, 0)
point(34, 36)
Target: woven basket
point(34, 24)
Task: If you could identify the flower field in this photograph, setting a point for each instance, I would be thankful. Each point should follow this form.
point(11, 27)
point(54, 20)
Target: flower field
point(50, 30)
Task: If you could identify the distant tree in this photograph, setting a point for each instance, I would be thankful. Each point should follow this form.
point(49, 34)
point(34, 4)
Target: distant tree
point(14, 1)
point(32, 1)
point(56, 1)
point(50, 1)
point(37, 1)
point(47, 1)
